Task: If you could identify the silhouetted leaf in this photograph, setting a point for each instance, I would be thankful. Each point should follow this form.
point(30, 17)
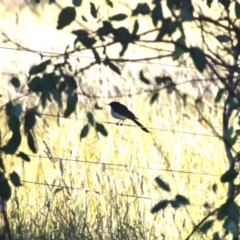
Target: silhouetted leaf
point(216, 236)
point(237, 9)
point(175, 204)
point(223, 38)
point(225, 3)
point(77, 3)
point(198, 58)
point(9, 108)
point(142, 8)
point(40, 67)
point(58, 189)
point(122, 34)
point(179, 48)
point(162, 184)
point(157, 14)
point(13, 123)
point(109, 3)
point(143, 79)
point(5, 189)
point(80, 33)
point(219, 95)
point(163, 80)
point(84, 19)
point(96, 56)
point(17, 110)
point(93, 10)
point(224, 209)
point(72, 101)
point(229, 175)
point(118, 17)
point(187, 12)
point(100, 128)
point(214, 188)
point(31, 142)
point(90, 118)
point(15, 179)
point(66, 16)
point(35, 84)
point(71, 81)
point(30, 119)
point(135, 28)
point(13, 143)
point(159, 206)
point(112, 66)
point(154, 97)
point(209, 2)
point(182, 200)
point(84, 132)
point(165, 29)
point(15, 82)
point(2, 165)
point(24, 156)
point(206, 226)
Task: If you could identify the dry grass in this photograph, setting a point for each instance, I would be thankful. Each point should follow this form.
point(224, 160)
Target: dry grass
point(103, 188)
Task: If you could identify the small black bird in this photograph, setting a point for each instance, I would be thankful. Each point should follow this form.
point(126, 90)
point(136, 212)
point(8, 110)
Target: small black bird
point(121, 112)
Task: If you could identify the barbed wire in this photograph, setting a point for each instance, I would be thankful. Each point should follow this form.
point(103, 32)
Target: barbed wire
point(100, 192)
point(54, 159)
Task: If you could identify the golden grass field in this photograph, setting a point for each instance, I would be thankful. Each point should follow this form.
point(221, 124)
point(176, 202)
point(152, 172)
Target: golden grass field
point(103, 187)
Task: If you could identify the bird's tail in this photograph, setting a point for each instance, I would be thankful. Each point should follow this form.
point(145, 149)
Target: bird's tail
point(141, 126)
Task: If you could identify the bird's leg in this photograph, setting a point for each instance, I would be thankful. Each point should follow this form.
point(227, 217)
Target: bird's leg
point(120, 122)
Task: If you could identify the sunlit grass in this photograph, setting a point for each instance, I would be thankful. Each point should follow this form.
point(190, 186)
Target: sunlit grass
point(103, 187)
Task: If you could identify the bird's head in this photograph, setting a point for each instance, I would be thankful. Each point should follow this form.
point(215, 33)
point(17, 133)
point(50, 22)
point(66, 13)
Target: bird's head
point(112, 104)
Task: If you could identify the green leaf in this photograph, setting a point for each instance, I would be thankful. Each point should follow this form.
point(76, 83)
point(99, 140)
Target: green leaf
point(90, 118)
point(72, 101)
point(118, 17)
point(198, 58)
point(143, 79)
point(15, 179)
point(5, 189)
point(24, 156)
point(157, 14)
point(223, 38)
point(179, 48)
point(229, 175)
point(219, 95)
point(31, 142)
point(77, 3)
point(162, 184)
point(182, 200)
point(66, 16)
point(93, 10)
point(96, 56)
point(12, 144)
point(84, 132)
point(40, 67)
point(154, 97)
point(142, 8)
point(206, 226)
point(159, 206)
point(237, 9)
point(15, 82)
point(100, 128)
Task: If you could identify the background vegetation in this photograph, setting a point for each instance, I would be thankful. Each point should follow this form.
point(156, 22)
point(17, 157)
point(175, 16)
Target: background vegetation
point(67, 171)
